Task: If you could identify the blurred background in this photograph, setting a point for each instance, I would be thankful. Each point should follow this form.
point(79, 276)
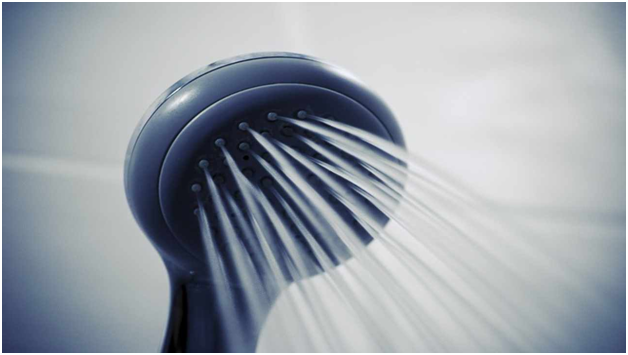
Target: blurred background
point(524, 102)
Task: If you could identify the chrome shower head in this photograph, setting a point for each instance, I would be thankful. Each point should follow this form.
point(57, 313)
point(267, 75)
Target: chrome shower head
point(205, 119)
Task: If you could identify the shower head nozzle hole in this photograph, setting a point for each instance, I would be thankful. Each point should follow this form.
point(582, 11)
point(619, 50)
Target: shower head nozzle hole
point(243, 126)
point(287, 131)
point(220, 142)
point(272, 117)
point(266, 181)
point(196, 188)
point(203, 164)
point(244, 146)
point(265, 134)
point(302, 114)
point(219, 179)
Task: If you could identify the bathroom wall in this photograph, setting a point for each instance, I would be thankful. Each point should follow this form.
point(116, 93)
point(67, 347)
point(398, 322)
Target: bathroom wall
point(524, 102)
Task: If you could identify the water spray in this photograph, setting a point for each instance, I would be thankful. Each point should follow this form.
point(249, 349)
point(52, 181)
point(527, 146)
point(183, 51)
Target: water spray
point(258, 174)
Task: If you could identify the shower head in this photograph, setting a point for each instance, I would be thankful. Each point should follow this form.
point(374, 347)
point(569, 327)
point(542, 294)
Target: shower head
point(211, 116)
point(213, 107)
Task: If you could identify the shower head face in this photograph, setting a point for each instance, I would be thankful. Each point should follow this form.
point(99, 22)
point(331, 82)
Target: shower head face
point(223, 122)
point(177, 146)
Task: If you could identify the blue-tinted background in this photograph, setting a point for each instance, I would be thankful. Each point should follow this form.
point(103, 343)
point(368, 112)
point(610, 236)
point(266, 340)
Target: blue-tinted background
point(525, 102)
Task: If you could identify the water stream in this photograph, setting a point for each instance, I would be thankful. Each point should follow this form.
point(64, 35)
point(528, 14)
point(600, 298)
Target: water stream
point(448, 272)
